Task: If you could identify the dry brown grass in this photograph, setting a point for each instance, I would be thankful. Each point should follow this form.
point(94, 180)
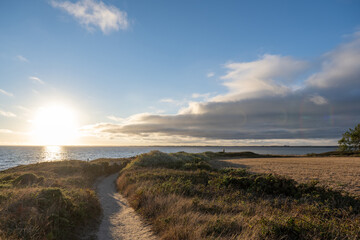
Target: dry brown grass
point(340, 173)
point(51, 200)
point(186, 199)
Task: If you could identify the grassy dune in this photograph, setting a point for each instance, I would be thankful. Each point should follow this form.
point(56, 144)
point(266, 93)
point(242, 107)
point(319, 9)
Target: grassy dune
point(51, 200)
point(183, 197)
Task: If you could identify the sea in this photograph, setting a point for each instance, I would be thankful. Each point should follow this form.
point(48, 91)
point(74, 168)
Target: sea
point(11, 156)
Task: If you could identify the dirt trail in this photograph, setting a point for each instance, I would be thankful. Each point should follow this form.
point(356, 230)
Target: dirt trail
point(119, 221)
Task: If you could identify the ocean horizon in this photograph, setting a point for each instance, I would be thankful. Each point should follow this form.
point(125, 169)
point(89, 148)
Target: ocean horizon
point(11, 156)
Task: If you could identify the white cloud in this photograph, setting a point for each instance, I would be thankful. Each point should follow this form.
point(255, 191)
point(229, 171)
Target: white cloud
point(95, 14)
point(22, 108)
point(21, 58)
point(318, 100)
point(7, 114)
point(116, 119)
point(210, 74)
point(204, 96)
point(271, 75)
point(174, 101)
point(168, 100)
point(36, 80)
point(6, 93)
point(340, 67)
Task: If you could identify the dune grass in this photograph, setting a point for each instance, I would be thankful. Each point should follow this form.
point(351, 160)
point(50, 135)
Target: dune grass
point(183, 197)
point(51, 200)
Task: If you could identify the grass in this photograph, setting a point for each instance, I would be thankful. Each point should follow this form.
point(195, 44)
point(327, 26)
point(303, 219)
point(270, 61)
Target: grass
point(339, 173)
point(183, 197)
point(335, 154)
point(52, 200)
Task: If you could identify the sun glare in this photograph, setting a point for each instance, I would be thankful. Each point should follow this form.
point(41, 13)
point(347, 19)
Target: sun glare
point(55, 125)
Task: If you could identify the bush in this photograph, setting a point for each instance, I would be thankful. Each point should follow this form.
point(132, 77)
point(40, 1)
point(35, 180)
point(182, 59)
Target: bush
point(27, 179)
point(180, 160)
point(350, 142)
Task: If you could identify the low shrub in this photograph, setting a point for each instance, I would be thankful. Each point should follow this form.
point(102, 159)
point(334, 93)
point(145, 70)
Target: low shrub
point(27, 179)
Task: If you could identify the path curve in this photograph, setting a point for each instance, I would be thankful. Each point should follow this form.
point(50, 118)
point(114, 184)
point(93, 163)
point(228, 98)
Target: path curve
point(119, 221)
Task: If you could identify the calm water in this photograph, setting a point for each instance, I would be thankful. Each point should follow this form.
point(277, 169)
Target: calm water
point(14, 156)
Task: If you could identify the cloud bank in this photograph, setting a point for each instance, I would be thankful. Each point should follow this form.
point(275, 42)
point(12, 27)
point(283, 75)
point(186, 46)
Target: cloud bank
point(95, 14)
point(266, 99)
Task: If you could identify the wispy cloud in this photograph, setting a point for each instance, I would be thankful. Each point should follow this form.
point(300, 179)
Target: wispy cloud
point(36, 80)
point(210, 74)
point(7, 114)
point(22, 58)
point(95, 14)
point(319, 100)
point(168, 100)
point(116, 119)
point(204, 96)
point(176, 102)
point(5, 131)
point(22, 108)
point(9, 94)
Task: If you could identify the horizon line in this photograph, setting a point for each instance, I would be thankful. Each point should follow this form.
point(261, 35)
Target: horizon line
point(29, 145)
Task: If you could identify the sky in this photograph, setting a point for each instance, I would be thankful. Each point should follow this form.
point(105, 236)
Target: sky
point(139, 72)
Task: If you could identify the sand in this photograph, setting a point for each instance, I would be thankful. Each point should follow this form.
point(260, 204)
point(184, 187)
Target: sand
point(119, 220)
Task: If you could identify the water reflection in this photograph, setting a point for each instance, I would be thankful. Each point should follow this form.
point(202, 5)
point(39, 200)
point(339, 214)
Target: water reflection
point(53, 153)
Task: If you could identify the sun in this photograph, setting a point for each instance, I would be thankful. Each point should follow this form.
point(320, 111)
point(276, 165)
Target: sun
point(55, 125)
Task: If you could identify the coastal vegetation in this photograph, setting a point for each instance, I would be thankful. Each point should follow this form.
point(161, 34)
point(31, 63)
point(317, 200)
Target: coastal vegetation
point(184, 197)
point(52, 200)
point(350, 141)
point(181, 195)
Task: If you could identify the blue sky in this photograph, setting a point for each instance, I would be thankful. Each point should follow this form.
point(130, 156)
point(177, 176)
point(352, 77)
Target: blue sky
point(135, 71)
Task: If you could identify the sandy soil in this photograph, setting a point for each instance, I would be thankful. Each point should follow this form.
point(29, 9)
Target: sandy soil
point(341, 173)
point(119, 221)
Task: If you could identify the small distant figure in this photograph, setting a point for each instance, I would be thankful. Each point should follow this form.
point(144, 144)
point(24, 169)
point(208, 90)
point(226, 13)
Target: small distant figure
point(223, 150)
point(88, 160)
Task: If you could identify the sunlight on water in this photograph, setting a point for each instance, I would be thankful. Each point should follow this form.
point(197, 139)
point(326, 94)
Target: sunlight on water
point(53, 153)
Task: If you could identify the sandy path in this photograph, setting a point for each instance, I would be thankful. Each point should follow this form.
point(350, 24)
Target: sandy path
point(119, 221)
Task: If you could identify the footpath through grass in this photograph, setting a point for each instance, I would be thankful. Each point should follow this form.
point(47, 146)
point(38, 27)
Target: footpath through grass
point(52, 200)
point(184, 198)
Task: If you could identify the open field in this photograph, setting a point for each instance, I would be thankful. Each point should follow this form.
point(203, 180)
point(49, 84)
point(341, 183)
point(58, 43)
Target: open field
point(340, 173)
